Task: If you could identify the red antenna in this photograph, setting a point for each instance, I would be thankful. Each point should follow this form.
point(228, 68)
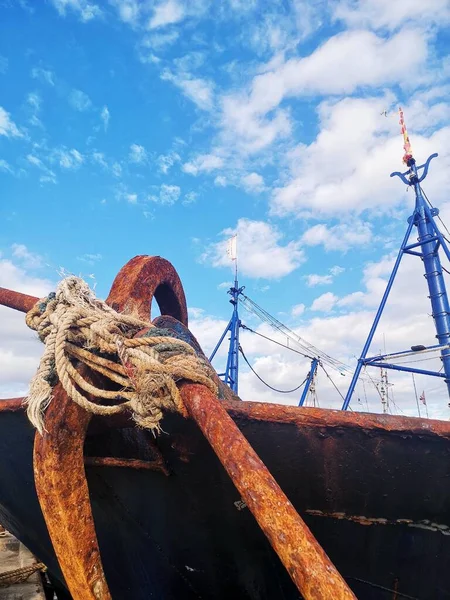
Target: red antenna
point(406, 143)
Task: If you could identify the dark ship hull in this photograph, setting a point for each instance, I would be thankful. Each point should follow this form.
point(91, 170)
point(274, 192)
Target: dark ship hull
point(373, 489)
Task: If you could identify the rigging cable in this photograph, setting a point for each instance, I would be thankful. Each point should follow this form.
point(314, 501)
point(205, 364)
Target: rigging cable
point(265, 382)
point(275, 342)
point(335, 386)
point(438, 216)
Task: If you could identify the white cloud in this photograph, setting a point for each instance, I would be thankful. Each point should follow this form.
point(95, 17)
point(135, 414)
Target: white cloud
point(85, 10)
point(79, 100)
point(49, 176)
point(168, 194)
point(166, 13)
point(99, 158)
point(325, 302)
point(105, 116)
point(5, 166)
point(116, 169)
point(338, 237)
point(69, 159)
point(34, 100)
point(337, 270)
point(166, 161)
point(131, 198)
point(91, 259)
point(297, 310)
point(200, 91)
point(138, 154)
point(259, 250)
point(156, 41)
point(44, 75)
point(20, 349)
point(220, 181)
point(190, 198)
point(129, 10)
point(313, 279)
point(28, 259)
point(390, 15)
point(203, 163)
point(253, 182)
point(7, 127)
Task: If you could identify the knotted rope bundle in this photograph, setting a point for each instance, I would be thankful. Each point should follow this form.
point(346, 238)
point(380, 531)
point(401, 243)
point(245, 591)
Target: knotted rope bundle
point(78, 329)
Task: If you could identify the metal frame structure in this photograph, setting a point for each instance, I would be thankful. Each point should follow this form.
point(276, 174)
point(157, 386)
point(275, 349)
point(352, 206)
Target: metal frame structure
point(430, 241)
point(231, 375)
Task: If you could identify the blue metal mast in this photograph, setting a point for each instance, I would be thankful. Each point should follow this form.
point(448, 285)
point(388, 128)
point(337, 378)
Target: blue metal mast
point(429, 241)
point(231, 375)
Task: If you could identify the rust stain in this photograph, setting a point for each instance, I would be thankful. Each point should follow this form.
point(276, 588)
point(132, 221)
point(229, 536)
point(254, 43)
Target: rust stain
point(17, 300)
point(130, 463)
point(11, 405)
point(362, 520)
point(142, 278)
point(64, 497)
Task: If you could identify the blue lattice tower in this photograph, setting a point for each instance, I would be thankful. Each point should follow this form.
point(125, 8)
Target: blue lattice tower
point(429, 242)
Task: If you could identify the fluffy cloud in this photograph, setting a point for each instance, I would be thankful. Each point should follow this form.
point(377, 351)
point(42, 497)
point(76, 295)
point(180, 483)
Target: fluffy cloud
point(166, 13)
point(338, 237)
point(168, 195)
point(69, 159)
point(253, 183)
point(105, 116)
point(259, 249)
point(353, 128)
point(83, 8)
point(380, 14)
point(254, 119)
point(325, 302)
point(203, 163)
point(200, 91)
point(7, 127)
point(138, 154)
point(313, 279)
point(79, 100)
point(44, 75)
point(19, 347)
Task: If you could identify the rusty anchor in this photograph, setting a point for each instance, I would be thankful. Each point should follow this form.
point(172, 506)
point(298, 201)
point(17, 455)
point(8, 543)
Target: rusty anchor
point(59, 462)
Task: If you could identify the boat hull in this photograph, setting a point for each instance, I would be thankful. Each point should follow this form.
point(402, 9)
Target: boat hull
point(373, 489)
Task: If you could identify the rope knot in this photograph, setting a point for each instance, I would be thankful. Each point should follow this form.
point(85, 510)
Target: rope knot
point(83, 334)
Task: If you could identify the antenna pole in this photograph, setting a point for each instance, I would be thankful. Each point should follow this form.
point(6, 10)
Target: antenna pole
point(430, 240)
point(231, 375)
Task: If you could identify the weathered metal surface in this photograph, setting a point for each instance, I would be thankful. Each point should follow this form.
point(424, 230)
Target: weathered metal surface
point(334, 419)
point(150, 526)
point(64, 497)
point(16, 300)
point(141, 279)
point(11, 404)
point(128, 463)
point(306, 562)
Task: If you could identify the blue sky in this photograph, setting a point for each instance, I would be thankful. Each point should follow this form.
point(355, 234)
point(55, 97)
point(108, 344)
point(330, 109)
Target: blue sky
point(165, 127)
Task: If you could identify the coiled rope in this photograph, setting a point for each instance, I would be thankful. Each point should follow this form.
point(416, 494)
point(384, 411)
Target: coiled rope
point(78, 329)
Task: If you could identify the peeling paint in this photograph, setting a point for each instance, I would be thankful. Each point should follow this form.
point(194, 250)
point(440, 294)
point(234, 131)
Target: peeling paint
point(362, 520)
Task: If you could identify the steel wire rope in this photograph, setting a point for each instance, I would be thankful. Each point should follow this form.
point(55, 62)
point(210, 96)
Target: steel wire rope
point(265, 382)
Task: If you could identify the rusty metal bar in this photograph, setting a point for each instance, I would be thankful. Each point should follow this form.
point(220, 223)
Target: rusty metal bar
point(306, 562)
point(130, 463)
point(17, 300)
